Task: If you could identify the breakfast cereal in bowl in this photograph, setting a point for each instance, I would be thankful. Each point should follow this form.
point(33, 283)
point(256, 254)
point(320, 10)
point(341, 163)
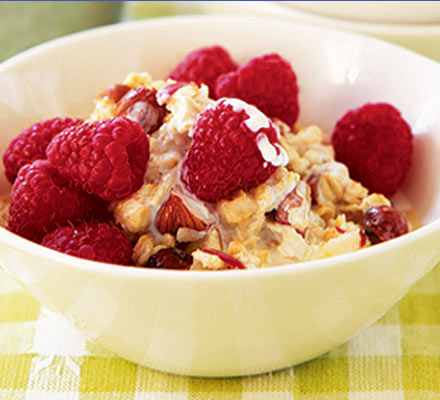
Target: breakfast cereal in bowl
point(208, 169)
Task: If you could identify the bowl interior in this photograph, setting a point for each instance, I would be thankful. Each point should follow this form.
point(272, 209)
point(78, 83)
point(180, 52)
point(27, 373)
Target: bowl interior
point(336, 72)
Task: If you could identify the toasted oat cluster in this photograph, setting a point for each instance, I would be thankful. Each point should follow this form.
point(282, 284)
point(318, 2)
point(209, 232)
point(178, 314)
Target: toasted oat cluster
point(209, 170)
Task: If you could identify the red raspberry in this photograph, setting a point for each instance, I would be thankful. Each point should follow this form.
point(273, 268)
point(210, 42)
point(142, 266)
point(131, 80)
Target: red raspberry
point(108, 158)
point(97, 210)
point(42, 199)
point(204, 66)
point(267, 82)
point(31, 144)
point(94, 241)
point(234, 147)
point(375, 143)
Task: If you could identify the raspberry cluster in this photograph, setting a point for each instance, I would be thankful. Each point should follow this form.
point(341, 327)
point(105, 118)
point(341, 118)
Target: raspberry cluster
point(67, 172)
point(267, 82)
point(106, 158)
point(31, 144)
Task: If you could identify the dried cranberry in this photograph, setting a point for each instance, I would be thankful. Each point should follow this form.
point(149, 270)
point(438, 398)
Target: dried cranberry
point(384, 222)
point(140, 105)
point(171, 258)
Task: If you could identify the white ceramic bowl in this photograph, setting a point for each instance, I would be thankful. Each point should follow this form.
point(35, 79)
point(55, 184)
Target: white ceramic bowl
point(229, 322)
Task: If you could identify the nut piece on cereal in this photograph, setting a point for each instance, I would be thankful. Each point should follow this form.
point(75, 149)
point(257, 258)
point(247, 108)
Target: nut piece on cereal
point(295, 208)
point(41, 199)
point(114, 92)
point(139, 104)
point(174, 214)
point(31, 144)
point(107, 158)
point(229, 260)
point(204, 65)
point(375, 143)
point(235, 146)
point(93, 241)
point(267, 82)
point(384, 223)
point(328, 182)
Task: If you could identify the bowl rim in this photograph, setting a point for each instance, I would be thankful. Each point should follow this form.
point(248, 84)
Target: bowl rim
point(25, 245)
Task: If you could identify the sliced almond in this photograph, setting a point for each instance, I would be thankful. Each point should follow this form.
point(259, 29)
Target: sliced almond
point(174, 215)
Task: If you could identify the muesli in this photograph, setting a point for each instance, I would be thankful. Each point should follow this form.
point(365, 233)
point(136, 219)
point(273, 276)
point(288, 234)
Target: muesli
point(208, 170)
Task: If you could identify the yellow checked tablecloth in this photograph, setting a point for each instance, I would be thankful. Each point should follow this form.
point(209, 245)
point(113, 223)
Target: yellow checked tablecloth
point(43, 357)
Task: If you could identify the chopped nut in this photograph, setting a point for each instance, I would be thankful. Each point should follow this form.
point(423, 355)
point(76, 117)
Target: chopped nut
point(143, 249)
point(168, 240)
point(132, 215)
point(139, 79)
point(212, 240)
point(174, 214)
point(114, 92)
point(140, 105)
point(270, 194)
point(239, 251)
point(295, 208)
point(186, 235)
point(203, 260)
